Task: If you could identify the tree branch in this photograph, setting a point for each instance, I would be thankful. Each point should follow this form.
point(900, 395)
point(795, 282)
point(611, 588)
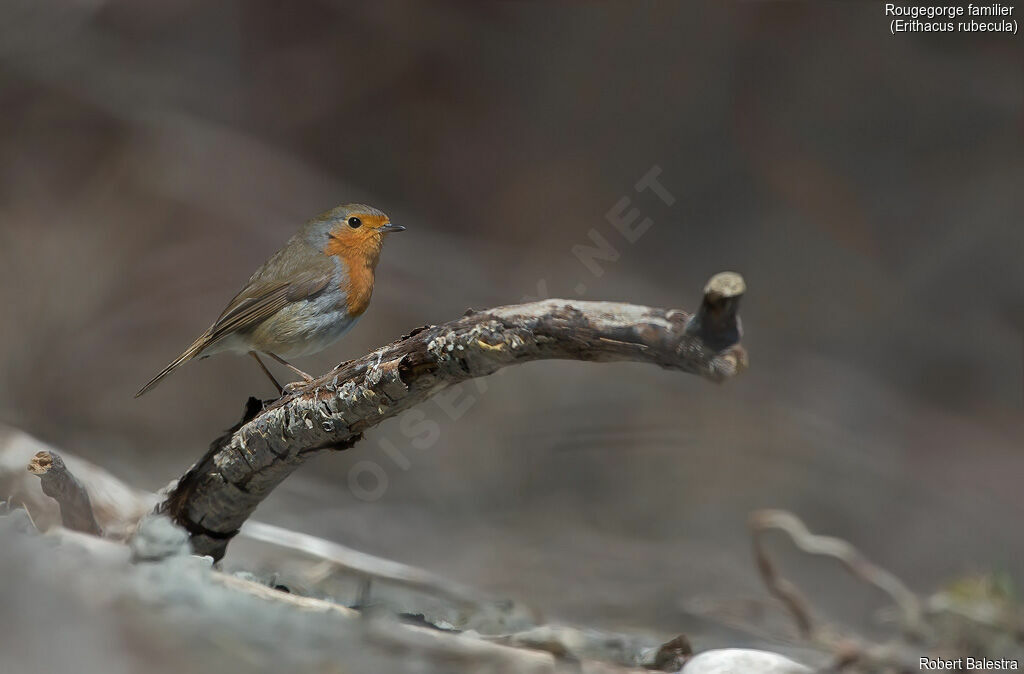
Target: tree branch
point(242, 466)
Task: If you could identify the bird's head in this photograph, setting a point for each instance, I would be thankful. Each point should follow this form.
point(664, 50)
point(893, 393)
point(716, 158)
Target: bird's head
point(353, 232)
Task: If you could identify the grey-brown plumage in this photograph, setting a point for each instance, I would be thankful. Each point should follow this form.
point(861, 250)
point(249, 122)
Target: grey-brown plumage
point(306, 296)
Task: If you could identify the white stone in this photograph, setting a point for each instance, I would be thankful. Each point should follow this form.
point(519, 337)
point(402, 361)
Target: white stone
point(741, 661)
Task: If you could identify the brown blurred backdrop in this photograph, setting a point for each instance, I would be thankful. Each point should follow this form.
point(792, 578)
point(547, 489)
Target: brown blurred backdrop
point(869, 187)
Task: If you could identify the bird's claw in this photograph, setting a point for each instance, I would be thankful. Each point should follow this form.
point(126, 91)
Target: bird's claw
point(294, 386)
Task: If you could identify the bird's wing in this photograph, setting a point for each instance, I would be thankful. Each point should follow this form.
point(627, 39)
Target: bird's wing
point(260, 300)
point(264, 295)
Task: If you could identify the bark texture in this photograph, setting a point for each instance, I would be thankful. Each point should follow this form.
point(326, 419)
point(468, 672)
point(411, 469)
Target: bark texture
point(242, 466)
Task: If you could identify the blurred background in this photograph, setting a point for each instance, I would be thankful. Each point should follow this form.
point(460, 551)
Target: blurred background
point(869, 188)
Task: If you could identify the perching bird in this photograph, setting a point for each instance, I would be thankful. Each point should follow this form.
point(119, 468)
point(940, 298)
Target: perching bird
point(306, 296)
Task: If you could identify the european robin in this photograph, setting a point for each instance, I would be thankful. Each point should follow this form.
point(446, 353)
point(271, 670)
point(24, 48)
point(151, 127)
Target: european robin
point(305, 297)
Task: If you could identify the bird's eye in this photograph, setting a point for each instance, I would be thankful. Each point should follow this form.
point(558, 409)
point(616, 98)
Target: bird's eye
point(354, 222)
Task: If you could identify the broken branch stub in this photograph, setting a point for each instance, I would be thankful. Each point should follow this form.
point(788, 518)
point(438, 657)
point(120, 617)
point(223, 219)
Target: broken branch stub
point(242, 466)
point(62, 486)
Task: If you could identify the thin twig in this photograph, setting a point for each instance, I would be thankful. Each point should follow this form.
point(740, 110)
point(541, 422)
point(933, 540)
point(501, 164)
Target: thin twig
point(360, 563)
point(828, 546)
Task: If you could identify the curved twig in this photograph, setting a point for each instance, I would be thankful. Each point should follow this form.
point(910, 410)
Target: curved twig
point(216, 495)
point(854, 562)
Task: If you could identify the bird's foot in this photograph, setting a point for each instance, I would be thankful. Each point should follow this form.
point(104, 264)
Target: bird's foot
point(294, 386)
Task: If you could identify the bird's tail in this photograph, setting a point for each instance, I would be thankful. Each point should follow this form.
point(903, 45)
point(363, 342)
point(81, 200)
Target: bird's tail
point(190, 353)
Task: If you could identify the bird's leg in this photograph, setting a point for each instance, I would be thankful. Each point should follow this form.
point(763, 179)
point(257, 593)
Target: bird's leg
point(280, 391)
point(294, 385)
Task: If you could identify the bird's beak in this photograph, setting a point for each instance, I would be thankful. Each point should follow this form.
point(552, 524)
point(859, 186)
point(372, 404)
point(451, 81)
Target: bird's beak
point(388, 228)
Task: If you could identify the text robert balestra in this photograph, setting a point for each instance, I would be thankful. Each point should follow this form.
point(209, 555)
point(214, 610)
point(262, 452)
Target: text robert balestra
point(974, 664)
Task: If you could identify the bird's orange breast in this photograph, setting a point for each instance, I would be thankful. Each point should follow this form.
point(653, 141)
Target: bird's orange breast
point(359, 261)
